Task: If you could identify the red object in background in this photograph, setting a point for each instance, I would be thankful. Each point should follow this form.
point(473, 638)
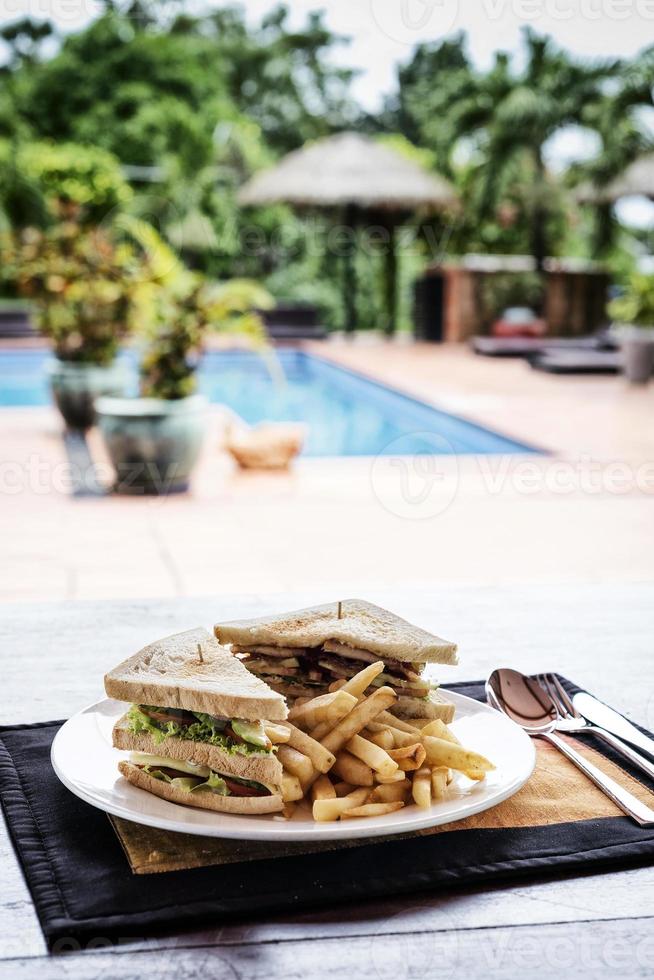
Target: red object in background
point(519, 321)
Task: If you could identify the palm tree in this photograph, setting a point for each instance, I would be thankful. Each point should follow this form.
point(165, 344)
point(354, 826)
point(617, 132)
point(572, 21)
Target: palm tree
point(511, 116)
point(616, 119)
point(504, 116)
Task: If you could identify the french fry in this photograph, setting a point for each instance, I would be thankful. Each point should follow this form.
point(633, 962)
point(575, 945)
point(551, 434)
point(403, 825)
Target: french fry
point(442, 753)
point(321, 759)
point(476, 774)
point(336, 685)
point(324, 810)
point(340, 710)
point(343, 788)
point(404, 726)
point(277, 734)
point(288, 810)
point(395, 777)
point(323, 789)
point(372, 810)
point(383, 738)
point(295, 762)
point(439, 729)
point(325, 707)
point(319, 732)
point(352, 770)
point(390, 792)
point(363, 679)
point(421, 788)
point(291, 788)
point(409, 757)
point(372, 755)
point(400, 738)
point(358, 718)
point(439, 782)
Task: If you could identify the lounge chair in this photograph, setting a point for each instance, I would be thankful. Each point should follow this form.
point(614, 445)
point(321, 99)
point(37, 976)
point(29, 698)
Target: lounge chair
point(530, 346)
point(576, 361)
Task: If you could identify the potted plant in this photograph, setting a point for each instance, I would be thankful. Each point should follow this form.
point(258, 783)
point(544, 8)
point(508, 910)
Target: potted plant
point(154, 441)
point(79, 280)
point(633, 313)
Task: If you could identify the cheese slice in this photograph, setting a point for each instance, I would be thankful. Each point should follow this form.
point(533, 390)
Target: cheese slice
point(193, 769)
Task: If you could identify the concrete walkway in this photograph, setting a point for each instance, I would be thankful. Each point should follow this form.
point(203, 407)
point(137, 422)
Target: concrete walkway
point(583, 513)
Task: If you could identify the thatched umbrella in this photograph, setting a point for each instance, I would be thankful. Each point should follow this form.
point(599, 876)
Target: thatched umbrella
point(359, 181)
point(637, 179)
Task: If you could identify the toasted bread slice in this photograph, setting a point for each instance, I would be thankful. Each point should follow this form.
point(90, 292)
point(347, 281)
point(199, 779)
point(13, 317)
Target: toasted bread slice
point(206, 801)
point(424, 709)
point(170, 673)
point(262, 768)
point(362, 625)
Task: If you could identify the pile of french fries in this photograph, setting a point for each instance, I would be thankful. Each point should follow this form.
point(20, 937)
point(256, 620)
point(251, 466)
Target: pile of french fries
point(346, 753)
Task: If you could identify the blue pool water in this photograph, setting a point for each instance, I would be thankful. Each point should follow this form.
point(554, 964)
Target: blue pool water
point(347, 414)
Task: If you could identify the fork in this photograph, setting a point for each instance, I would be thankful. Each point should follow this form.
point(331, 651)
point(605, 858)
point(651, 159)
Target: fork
point(570, 720)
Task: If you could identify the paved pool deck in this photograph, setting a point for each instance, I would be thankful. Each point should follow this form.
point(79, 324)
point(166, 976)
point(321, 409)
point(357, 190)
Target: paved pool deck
point(584, 512)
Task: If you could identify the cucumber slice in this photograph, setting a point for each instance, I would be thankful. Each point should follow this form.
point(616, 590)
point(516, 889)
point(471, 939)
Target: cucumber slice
point(252, 732)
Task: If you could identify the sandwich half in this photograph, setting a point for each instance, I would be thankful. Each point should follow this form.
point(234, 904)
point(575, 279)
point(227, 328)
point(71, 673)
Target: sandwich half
point(194, 729)
point(299, 654)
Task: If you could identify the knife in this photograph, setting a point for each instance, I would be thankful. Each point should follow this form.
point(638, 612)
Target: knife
point(600, 714)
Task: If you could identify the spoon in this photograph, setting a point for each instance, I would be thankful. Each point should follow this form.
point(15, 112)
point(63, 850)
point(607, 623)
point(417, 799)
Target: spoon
point(525, 702)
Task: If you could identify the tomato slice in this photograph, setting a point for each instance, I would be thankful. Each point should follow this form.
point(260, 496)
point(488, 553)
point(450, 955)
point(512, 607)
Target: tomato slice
point(165, 715)
point(238, 789)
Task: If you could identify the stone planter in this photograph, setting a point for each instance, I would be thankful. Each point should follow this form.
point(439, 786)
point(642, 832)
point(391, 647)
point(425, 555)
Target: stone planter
point(153, 443)
point(637, 346)
point(76, 386)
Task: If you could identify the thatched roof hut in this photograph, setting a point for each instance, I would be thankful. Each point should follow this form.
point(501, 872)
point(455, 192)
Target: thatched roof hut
point(637, 179)
point(349, 169)
point(358, 180)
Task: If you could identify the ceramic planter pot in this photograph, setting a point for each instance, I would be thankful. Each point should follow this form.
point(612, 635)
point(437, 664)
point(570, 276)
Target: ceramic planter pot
point(153, 444)
point(75, 388)
point(637, 346)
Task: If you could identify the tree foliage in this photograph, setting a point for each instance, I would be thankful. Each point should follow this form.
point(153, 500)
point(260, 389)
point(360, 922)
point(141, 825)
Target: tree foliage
point(80, 281)
point(192, 105)
point(174, 309)
point(489, 130)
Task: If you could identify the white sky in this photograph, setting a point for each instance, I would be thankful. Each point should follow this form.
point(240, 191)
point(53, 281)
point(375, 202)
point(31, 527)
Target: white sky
point(384, 31)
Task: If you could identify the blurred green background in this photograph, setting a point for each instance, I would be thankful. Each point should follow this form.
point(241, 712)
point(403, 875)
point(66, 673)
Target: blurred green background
point(156, 112)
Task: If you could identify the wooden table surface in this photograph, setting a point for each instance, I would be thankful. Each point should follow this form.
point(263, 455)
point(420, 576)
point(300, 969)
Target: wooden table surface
point(53, 659)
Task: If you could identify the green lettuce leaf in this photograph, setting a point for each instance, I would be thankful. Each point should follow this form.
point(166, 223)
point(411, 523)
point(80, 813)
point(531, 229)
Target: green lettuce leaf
point(199, 731)
point(186, 783)
point(214, 784)
point(216, 724)
point(192, 784)
point(140, 722)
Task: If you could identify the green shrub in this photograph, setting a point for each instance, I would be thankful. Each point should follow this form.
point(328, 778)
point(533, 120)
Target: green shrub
point(636, 305)
point(174, 309)
point(80, 281)
point(59, 181)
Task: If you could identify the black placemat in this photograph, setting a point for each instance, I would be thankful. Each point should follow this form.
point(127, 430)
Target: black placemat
point(82, 886)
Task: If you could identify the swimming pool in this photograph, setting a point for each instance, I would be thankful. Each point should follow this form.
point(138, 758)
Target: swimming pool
point(347, 414)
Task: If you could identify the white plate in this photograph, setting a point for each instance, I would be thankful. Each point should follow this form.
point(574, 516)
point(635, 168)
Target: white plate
point(85, 761)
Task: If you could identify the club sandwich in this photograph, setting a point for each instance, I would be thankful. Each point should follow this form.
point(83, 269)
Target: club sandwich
point(302, 653)
point(194, 728)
